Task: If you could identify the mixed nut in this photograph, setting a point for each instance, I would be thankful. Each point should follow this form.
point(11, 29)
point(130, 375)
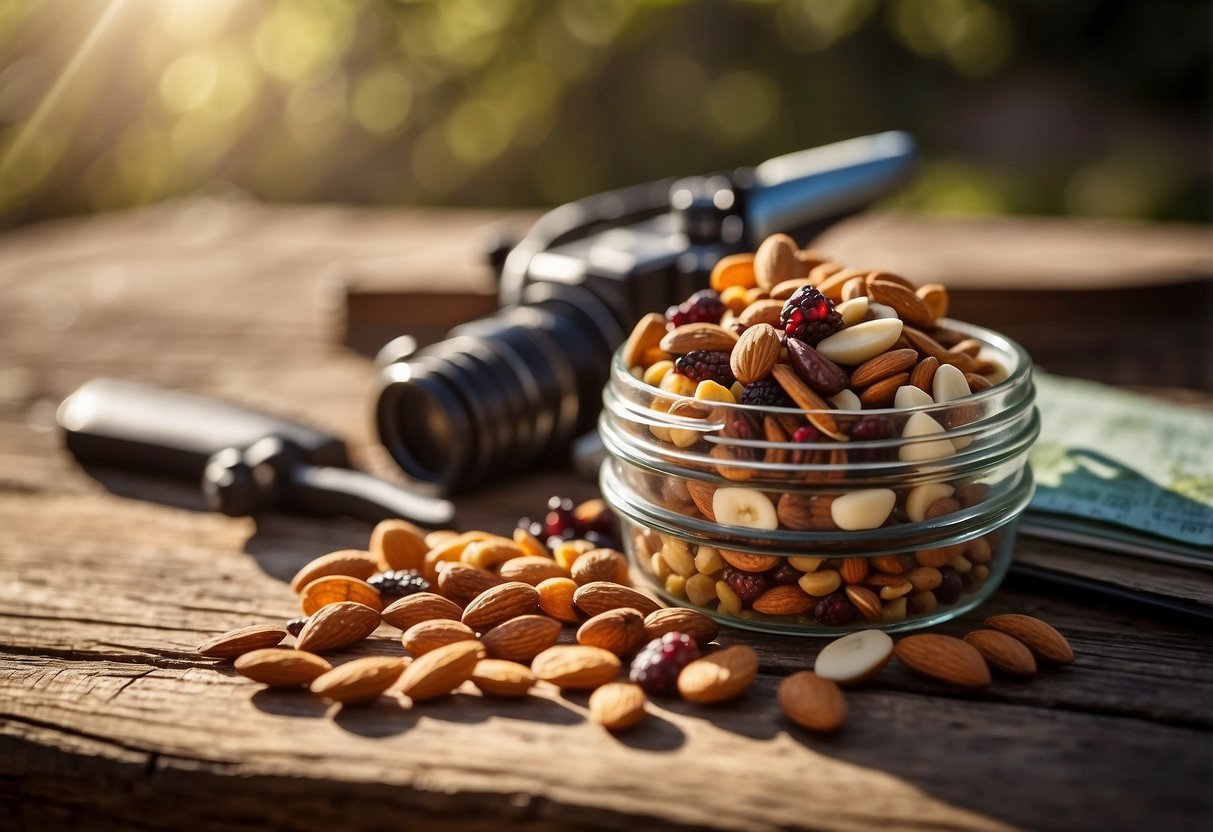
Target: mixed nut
point(504, 641)
point(789, 381)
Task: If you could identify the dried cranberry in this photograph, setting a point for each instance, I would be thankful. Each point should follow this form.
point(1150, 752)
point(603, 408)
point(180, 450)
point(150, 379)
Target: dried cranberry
point(809, 315)
point(948, 591)
point(766, 393)
point(704, 306)
point(705, 365)
point(559, 518)
point(398, 583)
point(747, 585)
point(835, 610)
point(806, 433)
point(784, 574)
point(871, 428)
point(657, 665)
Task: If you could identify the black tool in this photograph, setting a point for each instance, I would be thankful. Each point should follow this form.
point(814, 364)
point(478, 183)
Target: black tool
point(516, 387)
point(248, 462)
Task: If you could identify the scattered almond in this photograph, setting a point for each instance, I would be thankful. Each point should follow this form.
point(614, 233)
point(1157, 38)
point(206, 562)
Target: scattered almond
point(499, 604)
point(522, 638)
point(531, 569)
point(621, 631)
point(360, 680)
point(1002, 652)
point(719, 676)
point(398, 544)
point(600, 596)
point(506, 679)
point(241, 641)
point(812, 702)
point(556, 599)
point(349, 562)
point(576, 666)
point(425, 636)
point(461, 582)
point(418, 607)
point(601, 565)
point(1042, 639)
point(440, 671)
point(617, 705)
point(337, 625)
point(680, 620)
point(944, 658)
point(332, 589)
point(281, 667)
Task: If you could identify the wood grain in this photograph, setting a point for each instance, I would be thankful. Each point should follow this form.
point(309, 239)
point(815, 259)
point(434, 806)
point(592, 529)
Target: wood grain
point(108, 581)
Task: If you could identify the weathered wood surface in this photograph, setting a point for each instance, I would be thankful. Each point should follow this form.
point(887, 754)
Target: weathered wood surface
point(109, 720)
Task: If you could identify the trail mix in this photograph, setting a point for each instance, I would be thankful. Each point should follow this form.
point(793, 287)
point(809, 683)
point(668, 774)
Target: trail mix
point(464, 625)
point(786, 328)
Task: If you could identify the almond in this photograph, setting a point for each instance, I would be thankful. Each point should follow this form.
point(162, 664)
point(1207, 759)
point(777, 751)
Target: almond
point(886, 364)
point(448, 550)
point(425, 636)
point(812, 702)
point(337, 625)
point(600, 565)
point(360, 680)
point(680, 620)
point(747, 562)
point(647, 334)
point(882, 393)
point(397, 544)
point(421, 606)
point(785, 289)
point(531, 570)
point(909, 307)
point(935, 297)
point(775, 261)
point(701, 494)
point(332, 589)
point(499, 604)
point(521, 639)
point(829, 278)
point(865, 600)
point(349, 562)
point(805, 398)
point(944, 658)
point(440, 671)
point(238, 642)
point(853, 570)
point(621, 631)
point(926, 345)
point(576, 666)
point(1045, 642)
point(617, 705)
point(923, 373)
point(755, 353)
point(719, 676)
point(765, 311)
point(698, 336)
point(1002, 652)
point(281, 667)
point(461, 583)
point(556, 599)
point(600, 596)
point(506, 679)
point(805, 512)
point(784, 600)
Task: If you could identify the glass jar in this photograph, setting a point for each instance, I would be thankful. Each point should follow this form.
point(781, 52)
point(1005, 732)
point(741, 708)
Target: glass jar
point(908, 523)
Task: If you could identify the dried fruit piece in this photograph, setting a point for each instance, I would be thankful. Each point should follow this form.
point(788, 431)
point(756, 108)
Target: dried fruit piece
point(617, 705)
point(350, 562)
point(576, 666)
point(398, 544)
point(398, 583)
point(719, 676)
point(241, 641)
point(337, 625)
point(944, 658)
point(747, 507)
point(809, 315)
point(766, 393)
point(706, 365)
point(1042, 639)
point(854, 658)
point(424, 606)
point(656, 667)
point(360, 680)
point(332, 589)
point(505, 679)
point(815, 370)
point(440, 671)
point(556, 599)
point(1002, 652)
point(812, 702)
point(521, 639)
point(733, 270)
point(281, 667)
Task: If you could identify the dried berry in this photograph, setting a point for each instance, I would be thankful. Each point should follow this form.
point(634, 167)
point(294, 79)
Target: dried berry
point(295, 625)
point(835, 610)
point(948, 591)
point(704, 306)
point(871, 428)
point(559, 518)
point(398, 583)
point(706, 365)
point(806, 434)
point(657, 665)
point(809, 315)
point(747, 585)
point(766, 393)
point(784, 574)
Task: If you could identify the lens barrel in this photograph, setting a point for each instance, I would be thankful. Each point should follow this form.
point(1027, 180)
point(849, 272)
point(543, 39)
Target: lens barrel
point(501, 392)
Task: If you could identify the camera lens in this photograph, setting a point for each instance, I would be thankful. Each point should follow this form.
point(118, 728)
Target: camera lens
point(501, 392)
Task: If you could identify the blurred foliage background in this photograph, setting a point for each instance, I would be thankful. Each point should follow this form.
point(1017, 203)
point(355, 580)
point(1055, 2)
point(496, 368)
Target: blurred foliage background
point(1090, 107)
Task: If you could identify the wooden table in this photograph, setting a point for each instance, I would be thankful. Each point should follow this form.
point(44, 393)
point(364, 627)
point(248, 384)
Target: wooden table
point(108, 719)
